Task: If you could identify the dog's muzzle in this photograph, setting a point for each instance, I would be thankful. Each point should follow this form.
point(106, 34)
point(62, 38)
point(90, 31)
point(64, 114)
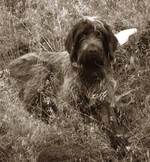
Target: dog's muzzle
point(90, 58)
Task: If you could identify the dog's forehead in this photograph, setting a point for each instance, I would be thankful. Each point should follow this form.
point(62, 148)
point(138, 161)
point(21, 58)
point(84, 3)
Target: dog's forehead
point(93, 22)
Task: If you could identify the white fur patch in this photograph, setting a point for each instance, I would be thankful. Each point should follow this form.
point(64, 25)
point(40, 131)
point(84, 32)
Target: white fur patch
point(90, 18)
point(94, 19)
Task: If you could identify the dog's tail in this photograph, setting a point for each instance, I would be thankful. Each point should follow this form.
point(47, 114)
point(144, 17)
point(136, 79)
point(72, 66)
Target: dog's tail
point(124, 35)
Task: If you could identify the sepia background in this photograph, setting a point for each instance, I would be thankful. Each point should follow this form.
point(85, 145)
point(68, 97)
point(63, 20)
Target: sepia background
point(35, 26)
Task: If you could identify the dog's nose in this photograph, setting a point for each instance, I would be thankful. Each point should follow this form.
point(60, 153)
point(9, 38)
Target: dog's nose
point(92, 55)
point(92, 51)
point(90, 58)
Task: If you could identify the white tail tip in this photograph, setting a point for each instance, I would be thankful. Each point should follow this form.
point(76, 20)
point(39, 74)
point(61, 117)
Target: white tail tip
point(124, 35)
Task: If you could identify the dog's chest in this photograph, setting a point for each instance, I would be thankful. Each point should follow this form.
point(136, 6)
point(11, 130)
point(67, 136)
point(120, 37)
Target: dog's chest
point(99, 92)
point(77, 92)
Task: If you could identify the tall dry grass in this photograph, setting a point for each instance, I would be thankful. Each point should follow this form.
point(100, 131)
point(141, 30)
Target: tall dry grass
point(43, 25)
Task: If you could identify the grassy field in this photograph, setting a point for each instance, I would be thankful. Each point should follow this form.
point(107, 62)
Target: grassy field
point(34, 25)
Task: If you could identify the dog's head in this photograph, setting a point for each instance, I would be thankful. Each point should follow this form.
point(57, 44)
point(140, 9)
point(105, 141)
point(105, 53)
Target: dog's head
point(91, 44)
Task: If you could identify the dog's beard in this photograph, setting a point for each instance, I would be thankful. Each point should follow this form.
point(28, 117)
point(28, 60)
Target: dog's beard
point(90, 61)
point(90, 75)
point(90, 65)
point(91, 72)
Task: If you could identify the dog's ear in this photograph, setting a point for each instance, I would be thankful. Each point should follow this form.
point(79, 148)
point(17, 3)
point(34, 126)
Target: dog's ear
point(110, 41)
point(71, 40)
point(70, 43)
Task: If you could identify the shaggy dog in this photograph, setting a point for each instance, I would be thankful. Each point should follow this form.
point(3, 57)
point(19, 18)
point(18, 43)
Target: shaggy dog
point(81, 76)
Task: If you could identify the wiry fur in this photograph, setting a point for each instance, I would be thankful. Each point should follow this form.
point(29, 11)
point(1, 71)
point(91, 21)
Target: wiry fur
point(63, 78)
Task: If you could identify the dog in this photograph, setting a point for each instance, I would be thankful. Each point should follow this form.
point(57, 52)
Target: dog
point(89, 83)
point(81, 76)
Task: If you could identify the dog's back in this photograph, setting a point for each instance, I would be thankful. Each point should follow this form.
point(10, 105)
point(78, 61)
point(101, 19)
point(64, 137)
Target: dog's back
point(39, 76)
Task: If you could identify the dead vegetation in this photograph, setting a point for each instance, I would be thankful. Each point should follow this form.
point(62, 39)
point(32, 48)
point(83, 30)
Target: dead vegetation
point(42, 26)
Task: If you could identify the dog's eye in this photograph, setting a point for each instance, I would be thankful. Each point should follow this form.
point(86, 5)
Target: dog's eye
point(83, 37)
